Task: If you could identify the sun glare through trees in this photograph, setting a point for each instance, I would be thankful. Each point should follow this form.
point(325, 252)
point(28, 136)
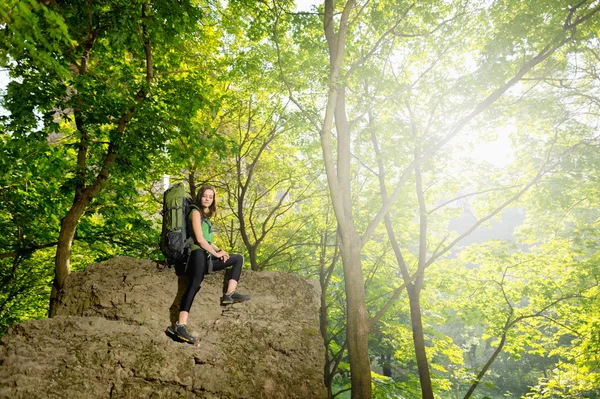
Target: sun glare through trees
point(433, 166)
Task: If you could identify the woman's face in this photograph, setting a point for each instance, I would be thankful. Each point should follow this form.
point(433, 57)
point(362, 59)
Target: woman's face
point(208, 196)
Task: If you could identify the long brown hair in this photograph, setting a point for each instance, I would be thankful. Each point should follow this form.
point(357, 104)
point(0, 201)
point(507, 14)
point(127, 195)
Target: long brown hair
point(212, 209)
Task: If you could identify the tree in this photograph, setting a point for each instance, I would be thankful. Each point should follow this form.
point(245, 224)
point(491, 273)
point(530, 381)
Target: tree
point(363, 44)
point(259, 200)
point(110, 69)
point(32, 202)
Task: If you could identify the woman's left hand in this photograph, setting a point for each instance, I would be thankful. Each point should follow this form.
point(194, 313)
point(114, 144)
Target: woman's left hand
point(223, 256)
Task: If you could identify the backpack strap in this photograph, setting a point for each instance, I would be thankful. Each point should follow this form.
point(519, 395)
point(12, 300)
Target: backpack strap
point(190, 230)
point(209, 261)
point(192, 207)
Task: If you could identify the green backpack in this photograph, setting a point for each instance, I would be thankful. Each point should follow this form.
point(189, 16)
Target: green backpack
point(175, 240)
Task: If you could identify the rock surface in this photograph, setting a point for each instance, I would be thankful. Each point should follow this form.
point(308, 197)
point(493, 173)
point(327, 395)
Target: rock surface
point(109, 341)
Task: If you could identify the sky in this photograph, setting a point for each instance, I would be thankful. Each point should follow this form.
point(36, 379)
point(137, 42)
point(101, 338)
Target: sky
point(3, 83)
point(304, 5)
point(3, 77)
point(498, 152)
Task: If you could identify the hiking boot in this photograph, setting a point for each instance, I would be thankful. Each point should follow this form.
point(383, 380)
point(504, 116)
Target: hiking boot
point(181, 333)
point(234, 297)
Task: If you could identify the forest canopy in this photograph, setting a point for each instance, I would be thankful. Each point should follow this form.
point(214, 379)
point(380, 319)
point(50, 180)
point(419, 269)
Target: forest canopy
point(434, 165)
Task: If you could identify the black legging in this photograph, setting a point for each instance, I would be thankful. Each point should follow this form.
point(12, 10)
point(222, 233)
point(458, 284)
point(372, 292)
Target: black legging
point(196, 269)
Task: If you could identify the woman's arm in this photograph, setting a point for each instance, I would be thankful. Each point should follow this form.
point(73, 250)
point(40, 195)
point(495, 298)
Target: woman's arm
point(197, 229)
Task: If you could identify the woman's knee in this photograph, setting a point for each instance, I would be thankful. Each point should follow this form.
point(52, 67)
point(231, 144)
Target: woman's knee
point(238, 259)
point(188, 297)
point(236, 269)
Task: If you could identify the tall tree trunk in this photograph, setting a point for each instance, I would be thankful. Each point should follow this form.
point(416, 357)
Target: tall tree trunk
point(357, 324)
point(62, 267)
point(419, 342)
point(338, 179)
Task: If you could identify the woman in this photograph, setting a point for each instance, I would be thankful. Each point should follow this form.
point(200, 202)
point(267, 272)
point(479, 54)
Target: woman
point(204, 251)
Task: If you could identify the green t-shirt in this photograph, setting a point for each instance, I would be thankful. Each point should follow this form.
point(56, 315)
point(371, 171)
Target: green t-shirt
point(206, 230)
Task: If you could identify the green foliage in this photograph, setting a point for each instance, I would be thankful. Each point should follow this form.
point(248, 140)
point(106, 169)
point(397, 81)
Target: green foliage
point(406, 387)
point(87, 91)
point(26, 283)
point(216, 111)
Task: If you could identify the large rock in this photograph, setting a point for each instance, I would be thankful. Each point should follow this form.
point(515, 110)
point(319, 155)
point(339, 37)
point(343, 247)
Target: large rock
point(109, 341)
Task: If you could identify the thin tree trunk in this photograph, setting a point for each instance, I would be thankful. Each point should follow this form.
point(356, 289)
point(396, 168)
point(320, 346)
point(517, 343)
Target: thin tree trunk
point(243, 228)
point(327, 374)
point(253, 257)
point(62, 267)
point(241, 195)
point(323, 320)
point(419, 342)
point(331, 362)
point(192, 181)
point(414, 290)
point(486, 367)
point(69, 224)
